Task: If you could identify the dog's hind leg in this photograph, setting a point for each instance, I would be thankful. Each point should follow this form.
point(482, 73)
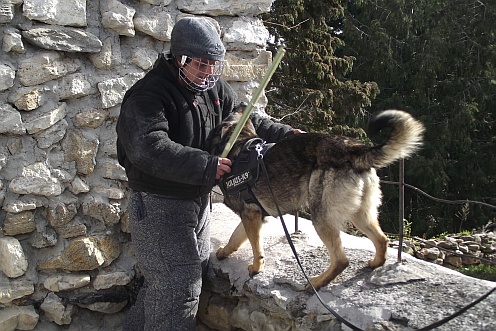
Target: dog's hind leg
point(366, 219)
point(373, 231)
point(330, 236)
point(333, 197)
point(371, 228)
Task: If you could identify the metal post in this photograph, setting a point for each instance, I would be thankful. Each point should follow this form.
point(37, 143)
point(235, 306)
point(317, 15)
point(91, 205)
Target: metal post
point(401, 206)
point(211, 200)
point(296, 222)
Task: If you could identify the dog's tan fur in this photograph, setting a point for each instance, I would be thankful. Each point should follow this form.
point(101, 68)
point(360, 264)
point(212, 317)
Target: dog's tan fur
point(333, 176)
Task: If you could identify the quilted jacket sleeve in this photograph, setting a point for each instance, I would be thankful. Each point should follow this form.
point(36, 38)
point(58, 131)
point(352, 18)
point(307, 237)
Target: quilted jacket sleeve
point(268, 130)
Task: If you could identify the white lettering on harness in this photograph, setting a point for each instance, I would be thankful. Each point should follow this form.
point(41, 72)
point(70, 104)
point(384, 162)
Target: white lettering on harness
point(235, 181)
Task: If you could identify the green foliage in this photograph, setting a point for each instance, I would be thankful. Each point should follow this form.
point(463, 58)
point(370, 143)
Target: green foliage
point(462, 214)
point(407, 227)
point(433, 58)
point(481, 271)
point(311, 90)
point(437, 60)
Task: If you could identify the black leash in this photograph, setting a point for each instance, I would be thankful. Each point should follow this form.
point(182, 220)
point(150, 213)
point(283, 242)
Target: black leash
point(333, 312)
point(461, 311)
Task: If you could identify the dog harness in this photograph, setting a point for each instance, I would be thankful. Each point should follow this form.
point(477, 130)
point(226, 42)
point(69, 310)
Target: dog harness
point(246, 170)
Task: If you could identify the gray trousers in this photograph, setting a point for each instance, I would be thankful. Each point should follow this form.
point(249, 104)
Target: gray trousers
point(171, 238)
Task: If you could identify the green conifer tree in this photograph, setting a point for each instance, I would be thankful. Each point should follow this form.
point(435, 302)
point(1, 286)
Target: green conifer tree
point(437, 60)
point(311, 89)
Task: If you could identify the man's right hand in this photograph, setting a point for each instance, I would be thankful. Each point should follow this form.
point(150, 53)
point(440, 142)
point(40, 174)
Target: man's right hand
point(223, 167)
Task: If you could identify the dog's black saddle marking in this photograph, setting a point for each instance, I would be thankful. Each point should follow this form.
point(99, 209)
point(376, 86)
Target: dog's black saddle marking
point(246, 170)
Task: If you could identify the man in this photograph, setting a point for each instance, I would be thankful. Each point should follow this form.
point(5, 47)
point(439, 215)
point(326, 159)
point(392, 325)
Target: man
point(163, 131)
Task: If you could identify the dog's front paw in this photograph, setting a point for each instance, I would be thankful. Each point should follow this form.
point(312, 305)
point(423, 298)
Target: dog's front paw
point(252, 271)
point(256, 268)
point(316, 282)
point(221, 253)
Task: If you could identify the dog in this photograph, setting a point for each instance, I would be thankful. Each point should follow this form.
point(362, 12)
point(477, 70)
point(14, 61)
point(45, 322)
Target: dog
point(333, 177)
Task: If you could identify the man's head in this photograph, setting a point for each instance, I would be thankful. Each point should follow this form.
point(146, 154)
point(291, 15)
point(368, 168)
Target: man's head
point(196, 46)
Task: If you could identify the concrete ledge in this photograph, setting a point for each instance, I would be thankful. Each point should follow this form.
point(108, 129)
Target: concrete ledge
point(397, 296)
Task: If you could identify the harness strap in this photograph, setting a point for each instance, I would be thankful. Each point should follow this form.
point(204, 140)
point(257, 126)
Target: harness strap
point(248, 196)
point(245, 169)
point(245, 172)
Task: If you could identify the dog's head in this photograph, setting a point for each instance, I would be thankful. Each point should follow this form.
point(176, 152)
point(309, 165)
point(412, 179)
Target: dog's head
point(223, 132)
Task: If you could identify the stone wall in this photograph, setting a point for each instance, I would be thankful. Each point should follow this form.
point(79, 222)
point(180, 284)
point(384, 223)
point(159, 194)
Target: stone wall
point(65, 65)
point(456, 251)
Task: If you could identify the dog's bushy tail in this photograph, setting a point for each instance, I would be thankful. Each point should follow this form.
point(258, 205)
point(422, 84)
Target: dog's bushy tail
point(404, 140)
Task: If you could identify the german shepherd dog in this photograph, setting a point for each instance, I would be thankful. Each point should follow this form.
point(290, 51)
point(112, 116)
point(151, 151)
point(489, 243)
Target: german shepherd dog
point(333, 176)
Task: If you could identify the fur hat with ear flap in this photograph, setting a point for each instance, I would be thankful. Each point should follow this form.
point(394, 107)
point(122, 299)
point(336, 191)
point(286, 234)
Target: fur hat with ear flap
point(196, 37)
